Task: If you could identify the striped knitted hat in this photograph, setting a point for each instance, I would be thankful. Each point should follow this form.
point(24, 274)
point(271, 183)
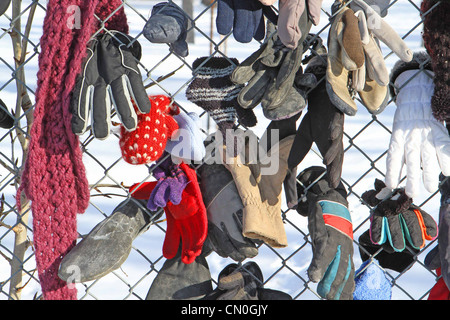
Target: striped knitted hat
point(213, 91)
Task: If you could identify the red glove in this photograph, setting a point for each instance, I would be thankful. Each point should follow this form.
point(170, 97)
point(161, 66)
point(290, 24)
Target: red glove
point(186, 222)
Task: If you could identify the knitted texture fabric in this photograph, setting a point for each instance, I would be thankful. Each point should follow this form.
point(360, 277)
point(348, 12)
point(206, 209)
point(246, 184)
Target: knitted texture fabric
point(436, 38)
point(54, 177)
point(147, 142)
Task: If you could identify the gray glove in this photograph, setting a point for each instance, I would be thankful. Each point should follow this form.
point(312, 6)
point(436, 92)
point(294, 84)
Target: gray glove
point(224, 210)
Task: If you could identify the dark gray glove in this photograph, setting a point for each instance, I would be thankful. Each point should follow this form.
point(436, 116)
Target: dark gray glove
point(168, 24)
point(109, 77)
point(322, 124)
point(224, 210)
point(331, 231)
point(6, 119)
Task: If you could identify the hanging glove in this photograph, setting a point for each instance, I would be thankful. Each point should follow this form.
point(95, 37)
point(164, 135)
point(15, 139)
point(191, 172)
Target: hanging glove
point(322, 124)
point(224, 208)
point(109, 76)
point(179, 281)
point(268, 76)
point(244, 17)
point(331, 231)
point(418, 141)
point(168, 23)
point(171, 181)
point(396, 222)
point(371, 283)
point(244, 282)
point(6, 120)
point(186, 222)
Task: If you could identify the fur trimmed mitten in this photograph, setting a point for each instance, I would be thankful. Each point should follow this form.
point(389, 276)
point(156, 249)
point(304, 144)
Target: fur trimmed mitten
point(147, 142)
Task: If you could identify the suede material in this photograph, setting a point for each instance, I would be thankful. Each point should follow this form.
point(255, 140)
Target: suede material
point(351, 42)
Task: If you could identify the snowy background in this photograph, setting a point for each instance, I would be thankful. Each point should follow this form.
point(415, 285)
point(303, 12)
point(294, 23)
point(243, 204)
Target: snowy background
point(284, 269)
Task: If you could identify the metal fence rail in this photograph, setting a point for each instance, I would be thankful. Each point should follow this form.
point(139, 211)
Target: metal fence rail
point(366, 140)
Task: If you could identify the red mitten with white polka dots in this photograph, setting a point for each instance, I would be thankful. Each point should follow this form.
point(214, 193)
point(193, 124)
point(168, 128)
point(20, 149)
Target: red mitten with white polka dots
point(147, 143)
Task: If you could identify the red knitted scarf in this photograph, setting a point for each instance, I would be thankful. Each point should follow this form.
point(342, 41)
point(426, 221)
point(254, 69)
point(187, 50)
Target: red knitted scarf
point(54, 176)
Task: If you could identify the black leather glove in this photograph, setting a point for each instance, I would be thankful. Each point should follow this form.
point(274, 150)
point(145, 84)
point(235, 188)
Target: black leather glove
point(109, 77)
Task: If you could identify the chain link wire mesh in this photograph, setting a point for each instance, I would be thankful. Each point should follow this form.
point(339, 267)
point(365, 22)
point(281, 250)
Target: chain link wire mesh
point(366, 141)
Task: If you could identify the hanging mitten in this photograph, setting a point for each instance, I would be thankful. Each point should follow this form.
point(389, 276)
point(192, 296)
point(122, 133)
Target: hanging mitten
point(245, 18)
point(224, 208)
point(213, 91)
point(244, 282)
point(171, 181)
point(331, 230)
point(187, 223)
point(108, 244)
point(418, 142)
point(6, 119)
point(322, 124)
point(186, 143)
point(289, 11)
point(439, 291)
point(147, 142)
point(395, 222)
point(371, 283)
point(168, 23)
point(179, 281)
point(110, 77)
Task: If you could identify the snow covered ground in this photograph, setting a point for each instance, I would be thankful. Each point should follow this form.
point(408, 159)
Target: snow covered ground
point(105, 166)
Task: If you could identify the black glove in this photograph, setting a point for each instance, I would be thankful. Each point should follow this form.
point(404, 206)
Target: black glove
point(244, 282)
point(331, 231)
point(110, 76)
point(322, 124)
point(395, 222)
point(244, 17)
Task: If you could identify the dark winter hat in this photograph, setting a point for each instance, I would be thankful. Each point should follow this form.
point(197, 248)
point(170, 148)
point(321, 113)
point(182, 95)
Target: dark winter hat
point(213, 91)
point(420, 61)
point(6, 121)
point(436, 38)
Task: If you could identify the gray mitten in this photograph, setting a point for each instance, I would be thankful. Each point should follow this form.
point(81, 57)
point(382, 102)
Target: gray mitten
point(168, 24)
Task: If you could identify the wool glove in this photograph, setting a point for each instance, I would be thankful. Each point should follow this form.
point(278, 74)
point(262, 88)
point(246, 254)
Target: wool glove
point(418, 141)
point(244, 17)
point(147, 142)
point(224, 209)
point(109, 76)
point(168, 23)
point(322, 124)
point(6, 120)
point(213, 91)
point(371, 283)
point(395, 222)
point(171, 181)
point(186, 222)
point(269, 73)
point(244, 282)
point(331, 231)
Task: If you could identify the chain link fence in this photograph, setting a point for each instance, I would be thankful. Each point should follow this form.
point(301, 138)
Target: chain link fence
point(366, 140)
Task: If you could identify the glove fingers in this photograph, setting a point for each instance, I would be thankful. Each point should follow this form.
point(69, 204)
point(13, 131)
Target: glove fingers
point(429, 226)
point(395, 158)
point(246, 22)
point(396, 232)
point(101, 111)
point(378, 229)
point(122, 102)
point(339, 277)
point(413, 228)
point(252, 94)
point(80, 106)
point(430, 164)
point(137, 91)
point(413, 163)
point(441, 141)
point(225, 16)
